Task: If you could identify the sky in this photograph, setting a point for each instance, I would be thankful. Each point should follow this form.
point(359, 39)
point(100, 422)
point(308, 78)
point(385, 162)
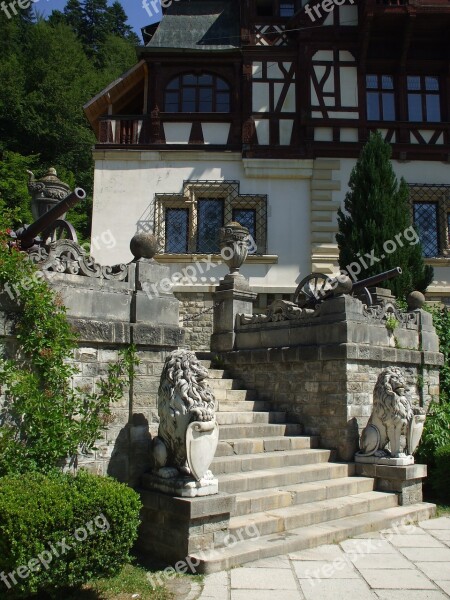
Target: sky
point(137, 15)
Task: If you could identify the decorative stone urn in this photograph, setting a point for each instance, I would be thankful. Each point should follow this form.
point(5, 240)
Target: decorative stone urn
point(46, 192)
point(233, 246)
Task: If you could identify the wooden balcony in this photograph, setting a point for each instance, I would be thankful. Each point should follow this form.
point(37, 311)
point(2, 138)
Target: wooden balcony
point(124, 130)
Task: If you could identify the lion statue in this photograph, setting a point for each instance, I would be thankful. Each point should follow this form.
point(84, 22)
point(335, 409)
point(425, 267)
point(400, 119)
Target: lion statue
point(184, 397)
point(392, 415)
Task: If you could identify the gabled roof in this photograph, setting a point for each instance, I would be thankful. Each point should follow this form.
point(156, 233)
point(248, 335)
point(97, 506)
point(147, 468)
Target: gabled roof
point(199, 25)
point(114, 92)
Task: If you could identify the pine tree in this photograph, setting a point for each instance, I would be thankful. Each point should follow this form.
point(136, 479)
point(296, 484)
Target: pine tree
point(377, 215)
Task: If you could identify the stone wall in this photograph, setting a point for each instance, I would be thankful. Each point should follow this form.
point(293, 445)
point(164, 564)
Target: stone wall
point(108, 315)
point(196, 318)
point(329, 391)
point(320, 366)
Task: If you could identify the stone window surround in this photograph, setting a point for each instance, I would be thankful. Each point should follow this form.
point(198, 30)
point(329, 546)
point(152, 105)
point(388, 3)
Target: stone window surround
point(439, 194)
point(227, 190)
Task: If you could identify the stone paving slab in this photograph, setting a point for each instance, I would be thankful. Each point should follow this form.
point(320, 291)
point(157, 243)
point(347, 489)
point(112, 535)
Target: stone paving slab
point(439, 523)
point(406, 595)
point(262, 579)
point(435, 570)
point(410, 563)
point(400, 579)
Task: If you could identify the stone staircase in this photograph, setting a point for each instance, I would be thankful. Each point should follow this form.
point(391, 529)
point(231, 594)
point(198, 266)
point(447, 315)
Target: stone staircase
point(289, 494)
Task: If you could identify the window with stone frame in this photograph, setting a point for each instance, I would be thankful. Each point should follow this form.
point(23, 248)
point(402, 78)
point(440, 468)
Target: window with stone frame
point(430, 205)
point(189, 222)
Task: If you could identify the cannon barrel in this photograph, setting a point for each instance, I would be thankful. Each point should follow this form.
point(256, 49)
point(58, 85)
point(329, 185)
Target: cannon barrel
point(28, 235)
point(375, 279)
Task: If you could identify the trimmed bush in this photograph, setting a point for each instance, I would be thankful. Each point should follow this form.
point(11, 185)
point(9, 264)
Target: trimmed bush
point(441, 474)
point(58, 531)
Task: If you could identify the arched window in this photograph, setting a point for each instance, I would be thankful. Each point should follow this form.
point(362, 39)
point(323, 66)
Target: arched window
point(197, 93)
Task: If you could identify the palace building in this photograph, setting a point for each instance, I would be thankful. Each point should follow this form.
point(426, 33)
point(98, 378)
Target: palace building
point(256, 111)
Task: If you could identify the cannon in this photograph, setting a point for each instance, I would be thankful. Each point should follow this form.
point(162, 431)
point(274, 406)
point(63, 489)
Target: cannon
point(50, 227)
point(317, 287)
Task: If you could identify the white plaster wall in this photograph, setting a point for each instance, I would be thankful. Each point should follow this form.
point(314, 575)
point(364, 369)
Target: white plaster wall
point(124, 192)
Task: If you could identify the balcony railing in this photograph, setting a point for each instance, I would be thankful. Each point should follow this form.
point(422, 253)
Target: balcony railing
point(126, 130)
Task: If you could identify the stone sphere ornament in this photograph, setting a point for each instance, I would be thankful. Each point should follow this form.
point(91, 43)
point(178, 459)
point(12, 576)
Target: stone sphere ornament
point(234, 246)
point(144, 245)
point(344, 285)
point(415, 300)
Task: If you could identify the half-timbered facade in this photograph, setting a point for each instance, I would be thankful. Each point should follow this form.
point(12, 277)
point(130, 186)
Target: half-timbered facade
point(257, 110)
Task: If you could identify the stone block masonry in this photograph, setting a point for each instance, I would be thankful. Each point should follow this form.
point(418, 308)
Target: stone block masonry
point(321, 367)
point(108, 316)
point(196, 318)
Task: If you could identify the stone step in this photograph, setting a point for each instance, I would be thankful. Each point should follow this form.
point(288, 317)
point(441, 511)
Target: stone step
point(269, 460)
point(235, 395)
point(246, 418)
point(254, 430)
point(225, 384)
point(244, 406)
point(302, 493)
point(265, 444)
point(205, 363)
point(304, 515)
point(218, 374)
point(315, 470)
point(329, 532)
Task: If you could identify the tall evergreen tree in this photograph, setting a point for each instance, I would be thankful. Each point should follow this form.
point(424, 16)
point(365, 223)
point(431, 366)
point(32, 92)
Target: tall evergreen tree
point(377, 215)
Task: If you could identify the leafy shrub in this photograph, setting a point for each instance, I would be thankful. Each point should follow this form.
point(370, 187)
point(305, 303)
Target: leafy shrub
point(43, 419)
point(436, 433)
point(45, 515)
point(441, 473)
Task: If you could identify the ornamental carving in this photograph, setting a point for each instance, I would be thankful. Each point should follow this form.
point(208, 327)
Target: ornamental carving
point(386, 310)
point(66, 256)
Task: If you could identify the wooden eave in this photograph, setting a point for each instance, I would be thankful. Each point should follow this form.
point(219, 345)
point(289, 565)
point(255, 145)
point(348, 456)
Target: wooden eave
point(114, 92)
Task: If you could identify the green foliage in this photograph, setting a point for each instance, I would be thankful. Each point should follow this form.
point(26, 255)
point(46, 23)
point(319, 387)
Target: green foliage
point(13, 188)
point(436, 434)
point(376, 211)
point(391, 324)
point(441, 473)
point(441, 321)
point(39, 512)
point(44, 420)
point(48, 72)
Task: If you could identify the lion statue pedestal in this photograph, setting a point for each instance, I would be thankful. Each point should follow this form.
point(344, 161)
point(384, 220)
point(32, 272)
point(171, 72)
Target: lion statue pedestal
point(392, 416)
point(188, 432)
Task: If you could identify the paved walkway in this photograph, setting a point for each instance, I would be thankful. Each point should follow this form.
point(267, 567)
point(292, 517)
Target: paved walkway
point(406, 563)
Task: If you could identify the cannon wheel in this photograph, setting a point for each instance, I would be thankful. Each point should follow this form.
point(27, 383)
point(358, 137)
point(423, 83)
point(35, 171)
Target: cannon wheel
point(59, 230)
point(310, 290)
point(365, 296)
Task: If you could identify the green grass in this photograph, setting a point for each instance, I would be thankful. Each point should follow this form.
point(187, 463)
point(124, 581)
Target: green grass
point(131, 583)
point(443, 510)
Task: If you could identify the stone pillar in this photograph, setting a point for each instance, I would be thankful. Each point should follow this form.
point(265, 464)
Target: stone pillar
point(233, 296)
point(406, 481)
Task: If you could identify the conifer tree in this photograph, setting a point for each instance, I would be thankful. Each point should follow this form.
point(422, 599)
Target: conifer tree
point(376, 230)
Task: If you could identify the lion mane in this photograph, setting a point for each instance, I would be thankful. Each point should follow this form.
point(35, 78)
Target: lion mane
point(184, 396)
point(391, 416)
